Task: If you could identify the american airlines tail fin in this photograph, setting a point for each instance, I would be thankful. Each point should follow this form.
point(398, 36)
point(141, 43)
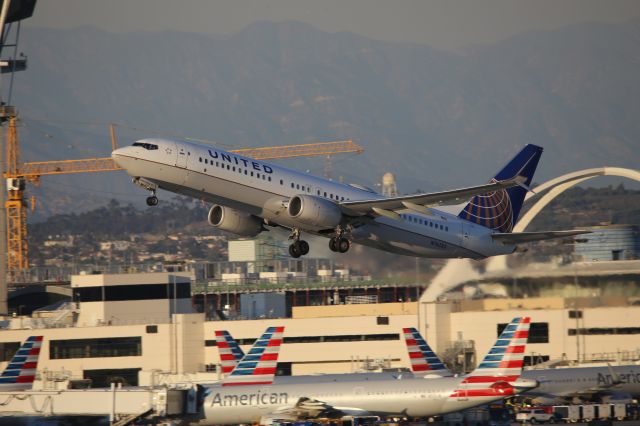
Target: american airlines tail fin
point(229, 350)
point(501, 367)
point(499, 210)
point(423, 360)
point(258, 367)
point(22, 367)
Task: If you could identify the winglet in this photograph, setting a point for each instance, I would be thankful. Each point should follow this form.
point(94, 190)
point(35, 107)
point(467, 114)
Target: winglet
point(423, 359)
point(258, 367)
point(22, 367)
point(230, 351)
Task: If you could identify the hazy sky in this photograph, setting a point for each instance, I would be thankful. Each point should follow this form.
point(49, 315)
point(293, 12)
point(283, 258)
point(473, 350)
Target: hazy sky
point(439, 23)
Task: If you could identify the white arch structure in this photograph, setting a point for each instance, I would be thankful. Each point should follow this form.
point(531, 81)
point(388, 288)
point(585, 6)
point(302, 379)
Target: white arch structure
point(458, 271)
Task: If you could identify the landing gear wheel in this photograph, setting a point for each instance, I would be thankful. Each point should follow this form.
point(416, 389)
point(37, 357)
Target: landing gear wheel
point(295, 250)
point(152, 201)
point(333, 244)
point(343, 245)
point(304, 247)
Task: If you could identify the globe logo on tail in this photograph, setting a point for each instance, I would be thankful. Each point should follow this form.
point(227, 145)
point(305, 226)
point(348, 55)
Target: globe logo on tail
point(492, 210)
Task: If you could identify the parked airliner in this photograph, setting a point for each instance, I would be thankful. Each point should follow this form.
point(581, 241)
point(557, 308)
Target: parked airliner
point(249, 195)
point(556, 385)
point(21, 370)
point(250, 394)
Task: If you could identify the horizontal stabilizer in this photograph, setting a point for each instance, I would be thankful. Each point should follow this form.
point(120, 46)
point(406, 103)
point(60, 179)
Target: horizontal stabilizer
point(527, 237)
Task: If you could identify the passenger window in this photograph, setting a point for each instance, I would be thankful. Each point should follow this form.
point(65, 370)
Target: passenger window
point(325, 195)
point(228, 167)
point(303, 188)
point(292, 185)
point(245, 173)
point(280, 181)
point(297, 186)
point(258, 175)
point(234, 168)
point(200, 159)
point(269, 179)
point(251, 174)
point(446, 228)
point(318, 192)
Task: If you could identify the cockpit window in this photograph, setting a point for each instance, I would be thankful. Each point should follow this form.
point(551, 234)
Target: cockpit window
point(145, 145)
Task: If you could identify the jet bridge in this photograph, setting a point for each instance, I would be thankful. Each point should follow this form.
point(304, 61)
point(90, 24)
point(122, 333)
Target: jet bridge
point(121, 404)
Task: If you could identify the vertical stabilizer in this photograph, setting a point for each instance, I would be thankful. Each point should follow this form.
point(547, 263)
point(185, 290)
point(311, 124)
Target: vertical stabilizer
point(22, 367)
point(229, 350)
point(258, 367)
point(499, 210)
point(423, 360)
point(502, 366)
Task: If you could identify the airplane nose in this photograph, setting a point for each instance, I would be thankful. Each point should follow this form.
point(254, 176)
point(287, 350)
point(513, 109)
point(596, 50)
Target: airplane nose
point(118, 154)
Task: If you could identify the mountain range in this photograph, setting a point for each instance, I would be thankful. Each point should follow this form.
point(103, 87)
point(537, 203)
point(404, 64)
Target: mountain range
point(437, 119)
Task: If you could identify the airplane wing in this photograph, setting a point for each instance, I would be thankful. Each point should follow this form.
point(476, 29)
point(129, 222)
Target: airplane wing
point(418, 201)
point(526, 237)
point(306, 408)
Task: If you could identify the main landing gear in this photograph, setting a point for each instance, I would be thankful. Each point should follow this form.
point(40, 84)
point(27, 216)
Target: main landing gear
point(298, 247)
point(339, 243)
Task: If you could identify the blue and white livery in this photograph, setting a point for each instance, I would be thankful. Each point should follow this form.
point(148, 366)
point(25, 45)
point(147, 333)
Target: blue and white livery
point(249, 196)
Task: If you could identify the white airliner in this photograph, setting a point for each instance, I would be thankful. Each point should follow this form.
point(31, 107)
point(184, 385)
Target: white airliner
point(250, 394)
point(249, 195)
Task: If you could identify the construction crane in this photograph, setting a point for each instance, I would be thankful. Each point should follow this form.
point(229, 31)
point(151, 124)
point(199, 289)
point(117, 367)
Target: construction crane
point(18, 174)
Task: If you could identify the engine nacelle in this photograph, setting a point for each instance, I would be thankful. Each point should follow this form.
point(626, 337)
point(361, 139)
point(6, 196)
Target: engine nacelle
point(234, 221)
point(314, 211)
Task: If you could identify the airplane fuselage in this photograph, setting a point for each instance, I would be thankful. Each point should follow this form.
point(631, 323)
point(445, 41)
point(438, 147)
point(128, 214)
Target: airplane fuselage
point(585, 381)
point(264, 189)
point(403, 398)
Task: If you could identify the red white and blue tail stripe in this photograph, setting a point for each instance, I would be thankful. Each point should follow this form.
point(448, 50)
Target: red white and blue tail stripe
point(501, 367)
point(258, 367)
point(22, 367)
point(423, 360)
point(229, 350)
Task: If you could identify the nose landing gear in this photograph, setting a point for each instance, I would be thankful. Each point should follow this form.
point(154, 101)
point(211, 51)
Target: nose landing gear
point(152, 200)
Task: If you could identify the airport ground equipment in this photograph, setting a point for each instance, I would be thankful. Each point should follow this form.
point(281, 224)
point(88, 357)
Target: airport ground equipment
point(18, 174)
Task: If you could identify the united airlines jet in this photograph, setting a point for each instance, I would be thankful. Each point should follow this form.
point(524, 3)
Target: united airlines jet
point(249, 195)
point(250, 394)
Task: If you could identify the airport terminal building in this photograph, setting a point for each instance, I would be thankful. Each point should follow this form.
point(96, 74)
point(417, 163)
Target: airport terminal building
point(142, 329)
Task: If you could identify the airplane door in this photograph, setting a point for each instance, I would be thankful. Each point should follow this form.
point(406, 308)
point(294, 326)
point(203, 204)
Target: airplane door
point(181, 158)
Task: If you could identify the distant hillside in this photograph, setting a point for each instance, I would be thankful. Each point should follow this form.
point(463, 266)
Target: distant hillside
point(437, 119)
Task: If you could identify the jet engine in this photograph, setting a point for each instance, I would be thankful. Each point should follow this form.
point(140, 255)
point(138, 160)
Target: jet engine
point(314, 211)
point(234, 221)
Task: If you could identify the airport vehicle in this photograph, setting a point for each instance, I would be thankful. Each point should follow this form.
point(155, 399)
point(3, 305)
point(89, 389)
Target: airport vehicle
point(250, 195)
point(21, 371)
point(567, 413)
point(247, 395)
point(535, 415)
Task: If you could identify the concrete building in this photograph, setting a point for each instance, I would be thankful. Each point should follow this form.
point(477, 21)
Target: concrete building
point(150, 337)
